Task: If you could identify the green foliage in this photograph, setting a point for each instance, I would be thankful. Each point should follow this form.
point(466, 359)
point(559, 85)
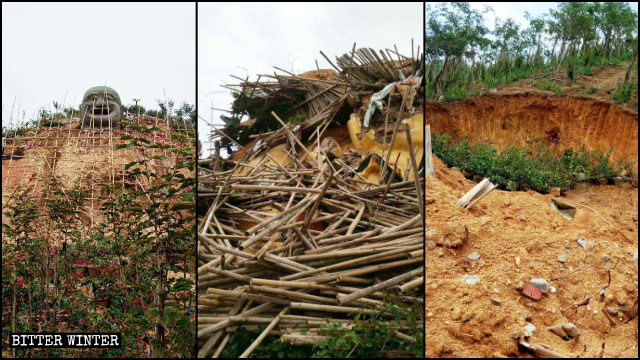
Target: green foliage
point(542, 84)
point(113, 275)
point(623, 92)
point(296, 119)
point(370, 337)
point(557, 90)
point(258, 107)
point(586, 70)
point(592, 90)
point(456, 94)
point(271, 346)
point(166, 207)
point(536, 170)
point(462, 53)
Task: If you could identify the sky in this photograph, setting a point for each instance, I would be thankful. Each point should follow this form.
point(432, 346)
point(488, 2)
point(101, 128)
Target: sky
point(249, 39)
point(55, 52)
point(515, 10)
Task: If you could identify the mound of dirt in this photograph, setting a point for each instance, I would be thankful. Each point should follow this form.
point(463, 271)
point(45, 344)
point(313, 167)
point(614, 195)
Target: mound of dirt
point(519, 237)
point(527, 119)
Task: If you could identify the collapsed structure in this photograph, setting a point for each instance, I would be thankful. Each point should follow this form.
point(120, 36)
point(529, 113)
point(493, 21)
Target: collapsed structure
point(318, 211)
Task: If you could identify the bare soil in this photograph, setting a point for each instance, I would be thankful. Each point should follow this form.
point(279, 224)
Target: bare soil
point(604, 79)
point(525, 119)
point(518, 237)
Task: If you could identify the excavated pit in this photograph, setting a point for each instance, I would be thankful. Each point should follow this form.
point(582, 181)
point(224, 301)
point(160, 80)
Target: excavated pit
point(517, 236)
point(525, 120)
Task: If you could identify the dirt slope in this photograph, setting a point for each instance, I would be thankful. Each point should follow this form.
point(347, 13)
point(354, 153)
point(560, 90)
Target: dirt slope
point(523, 119)
point(604, 79)
point(519, 237)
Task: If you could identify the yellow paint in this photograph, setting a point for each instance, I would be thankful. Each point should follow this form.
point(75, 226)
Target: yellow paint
point(372, 172)
point(369, 144)
point(278, 152)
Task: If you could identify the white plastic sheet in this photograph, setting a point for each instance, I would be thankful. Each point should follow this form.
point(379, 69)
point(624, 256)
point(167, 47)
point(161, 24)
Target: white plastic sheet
point(375, 102)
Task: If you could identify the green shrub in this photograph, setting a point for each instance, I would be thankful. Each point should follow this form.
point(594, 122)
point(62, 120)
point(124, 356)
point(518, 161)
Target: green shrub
point(542, 84)
point(369, 337)
point(538, 170)
point(456, 94)
point(622, 94)
point(586, 70)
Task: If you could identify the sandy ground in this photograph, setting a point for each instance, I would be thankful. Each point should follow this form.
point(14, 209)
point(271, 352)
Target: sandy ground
point(519, 237)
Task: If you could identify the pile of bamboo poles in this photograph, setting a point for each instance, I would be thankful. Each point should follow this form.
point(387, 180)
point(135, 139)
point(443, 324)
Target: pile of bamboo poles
point(284, 248)
point(362, 70)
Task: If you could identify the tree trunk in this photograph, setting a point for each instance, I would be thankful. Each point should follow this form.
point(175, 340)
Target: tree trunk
point(553, 50)
point(430, 71)
point(560, 55)
point(571, 63)
point(473, 65)
point(14, 316)
point(160, 295)
point(438, 79)
point(630, 66)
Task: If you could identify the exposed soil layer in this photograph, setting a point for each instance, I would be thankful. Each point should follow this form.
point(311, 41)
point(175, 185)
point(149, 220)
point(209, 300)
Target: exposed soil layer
point(526, 119)
point(519, 237)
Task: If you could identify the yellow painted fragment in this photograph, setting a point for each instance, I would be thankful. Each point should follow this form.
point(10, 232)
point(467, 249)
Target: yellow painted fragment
point(369, 144)
point(277, 152)
point(372, 172)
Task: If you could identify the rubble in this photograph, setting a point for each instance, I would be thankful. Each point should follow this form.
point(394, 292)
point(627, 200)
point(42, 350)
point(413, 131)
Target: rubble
point(532, 292)
point(541, 284)
point(529, 329)
point(583, 243)
point(508, 247)
point(473, 256)
point(565, 331)
point(470, 279)
point(314, 219)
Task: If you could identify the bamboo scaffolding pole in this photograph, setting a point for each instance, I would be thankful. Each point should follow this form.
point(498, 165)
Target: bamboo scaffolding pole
point(299, 229)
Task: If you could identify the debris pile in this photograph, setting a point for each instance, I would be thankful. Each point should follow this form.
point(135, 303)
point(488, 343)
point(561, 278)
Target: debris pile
point(512, 277)
point(312, 221)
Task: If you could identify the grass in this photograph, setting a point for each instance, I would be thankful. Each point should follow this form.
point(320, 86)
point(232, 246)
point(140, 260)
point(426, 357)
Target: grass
point(542, 84)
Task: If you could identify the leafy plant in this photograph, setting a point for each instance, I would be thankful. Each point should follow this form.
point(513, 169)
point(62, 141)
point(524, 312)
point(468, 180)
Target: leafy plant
point(622, 93)
point(296, 119)
point(537, 170)
point(369, 337)
point(126, 273)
